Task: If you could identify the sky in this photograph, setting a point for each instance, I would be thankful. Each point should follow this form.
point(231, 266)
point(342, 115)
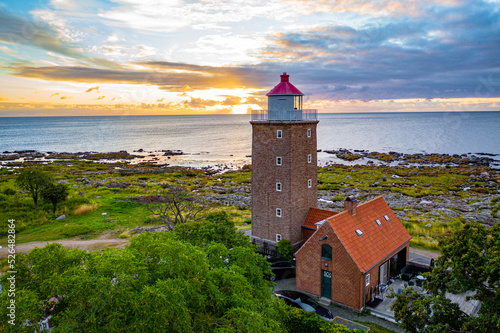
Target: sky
point(157, 57)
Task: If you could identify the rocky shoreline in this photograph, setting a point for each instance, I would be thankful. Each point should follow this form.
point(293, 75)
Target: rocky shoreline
point(477, 159)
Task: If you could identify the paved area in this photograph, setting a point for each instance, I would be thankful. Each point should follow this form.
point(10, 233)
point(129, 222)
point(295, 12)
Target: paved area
point(289, 284)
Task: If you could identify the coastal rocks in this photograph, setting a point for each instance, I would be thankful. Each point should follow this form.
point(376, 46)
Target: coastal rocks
point(240, 201)
point(62, 217)
point(169, 152)
point(419, 158)
point(140, 230)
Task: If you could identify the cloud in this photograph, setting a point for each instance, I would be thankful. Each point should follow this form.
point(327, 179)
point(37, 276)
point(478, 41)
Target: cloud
point(55, 94)
point(96, 88)
point(65, 97)
point(25, 31)
point(100, 97)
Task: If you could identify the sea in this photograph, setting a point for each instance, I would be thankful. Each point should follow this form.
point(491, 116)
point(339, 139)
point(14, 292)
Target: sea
point(226, 139)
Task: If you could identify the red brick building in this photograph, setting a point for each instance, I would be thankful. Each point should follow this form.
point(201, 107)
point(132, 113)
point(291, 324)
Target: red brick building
point(284, 166)
point(347, 255)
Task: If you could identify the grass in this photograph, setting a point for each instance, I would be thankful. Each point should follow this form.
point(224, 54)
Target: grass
point(96, 191)
point(375, 328)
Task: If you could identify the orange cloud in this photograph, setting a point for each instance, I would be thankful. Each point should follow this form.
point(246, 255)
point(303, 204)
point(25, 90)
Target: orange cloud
point(101, 97)
point(54, 94)
point(96, 88)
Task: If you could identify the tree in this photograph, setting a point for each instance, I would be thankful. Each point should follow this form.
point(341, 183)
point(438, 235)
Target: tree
point(54, 193)
point(33, 180)
point(285, 248)
point(469, 261)
point(175, 206)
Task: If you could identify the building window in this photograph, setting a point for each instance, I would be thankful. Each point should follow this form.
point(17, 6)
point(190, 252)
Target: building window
point(367, 279)
point(278, 160)
point(278, 212)
point(309, 158)
point(359, 232)
point(278, 238)
point(378, 222)
point(278, 187)
point(309, 183)
point(308, 132)
point(326, 252)
point(279, 134)
point(386, 218)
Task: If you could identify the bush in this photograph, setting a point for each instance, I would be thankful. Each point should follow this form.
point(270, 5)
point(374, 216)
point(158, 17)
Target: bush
point(285, 249)
point(9, 191)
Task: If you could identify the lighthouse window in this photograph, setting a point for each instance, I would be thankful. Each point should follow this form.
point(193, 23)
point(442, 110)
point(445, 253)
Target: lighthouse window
point(279, 134)
point(278, 187)
point(278, 160)
point(297, 102)
point(309, 183)
point(278, 212)
point(309, 158)
point(308, 132)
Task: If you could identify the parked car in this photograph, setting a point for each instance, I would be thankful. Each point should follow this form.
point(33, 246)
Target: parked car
point(282, 269)
point(304, 302)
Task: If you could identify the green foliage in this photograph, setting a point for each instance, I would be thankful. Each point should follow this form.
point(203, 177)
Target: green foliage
point(469, 261)
point(285, 249)
point(33, 180)
point(160, 283)
point(9, 191)
point(54, 193)
point(299, 321)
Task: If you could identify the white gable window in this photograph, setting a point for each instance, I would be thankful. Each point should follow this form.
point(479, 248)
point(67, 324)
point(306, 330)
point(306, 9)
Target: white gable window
point(309, 183)
point(367, 279)
point(278, 238)
point(278, 212)
point(278, 187)
point(309, 158)
point(386, 218)
point(378, 222)
point(278, 161)
point(279, 134)
point(308, 132)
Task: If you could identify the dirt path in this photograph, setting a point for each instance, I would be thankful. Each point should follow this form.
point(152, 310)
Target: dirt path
point(425, 253)
point(91, 244)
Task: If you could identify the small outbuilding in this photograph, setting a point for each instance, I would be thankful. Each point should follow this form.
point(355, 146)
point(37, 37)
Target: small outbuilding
point(348, 257)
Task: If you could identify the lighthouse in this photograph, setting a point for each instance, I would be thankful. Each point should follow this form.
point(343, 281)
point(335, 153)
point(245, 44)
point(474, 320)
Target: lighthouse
point(284, 166)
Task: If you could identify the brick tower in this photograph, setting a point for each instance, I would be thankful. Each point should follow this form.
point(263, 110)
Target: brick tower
point(284, 167)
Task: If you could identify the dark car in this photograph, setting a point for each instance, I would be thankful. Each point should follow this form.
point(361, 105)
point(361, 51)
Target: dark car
point(304, 302)
point(282, 269)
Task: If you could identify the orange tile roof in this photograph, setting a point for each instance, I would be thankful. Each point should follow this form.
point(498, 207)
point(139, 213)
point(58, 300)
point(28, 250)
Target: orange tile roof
point(317, 214)
point(377, 242)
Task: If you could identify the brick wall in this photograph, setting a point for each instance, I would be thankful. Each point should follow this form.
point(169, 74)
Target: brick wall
point(347, 280)
point(295, 197)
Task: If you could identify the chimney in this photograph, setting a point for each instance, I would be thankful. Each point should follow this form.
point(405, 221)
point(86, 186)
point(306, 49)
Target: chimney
point(350, 204)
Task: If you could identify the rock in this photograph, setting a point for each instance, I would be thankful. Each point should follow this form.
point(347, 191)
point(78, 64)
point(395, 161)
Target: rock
point(110, 220)
point(80, 194)
point(425, 202)
point(97, 196)
point(104, 214)
point(62, 217)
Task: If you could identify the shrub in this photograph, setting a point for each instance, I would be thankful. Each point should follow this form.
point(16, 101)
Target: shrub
point(285, 249)
point(9, 191)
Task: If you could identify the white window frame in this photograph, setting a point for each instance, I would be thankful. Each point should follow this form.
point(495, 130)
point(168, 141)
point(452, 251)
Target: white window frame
point(367, 280)
point(278, 212)
point(278, 238)
point(309, 183)
point(309, 158)
point(309, 132)
point(279, 160)
point(278, 187)
point(386, 218)
point(279, 134)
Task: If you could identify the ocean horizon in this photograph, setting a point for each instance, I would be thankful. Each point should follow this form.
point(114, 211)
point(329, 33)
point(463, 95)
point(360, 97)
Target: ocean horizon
point(209, 139)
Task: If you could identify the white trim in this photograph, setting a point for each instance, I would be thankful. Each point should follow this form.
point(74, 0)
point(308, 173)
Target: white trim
point(279, 134)
point(278, 238)
point(278, 212)
point(278, 186)
point(367, 280)
point(309, 158)
point(309, 183)
point(279, 160)
point(309, 132)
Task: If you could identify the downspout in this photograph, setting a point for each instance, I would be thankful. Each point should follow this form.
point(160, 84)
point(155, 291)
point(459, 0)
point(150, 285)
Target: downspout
point(364, 291)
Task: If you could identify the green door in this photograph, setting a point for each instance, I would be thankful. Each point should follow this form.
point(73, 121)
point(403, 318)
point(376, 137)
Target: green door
point(326, 284)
